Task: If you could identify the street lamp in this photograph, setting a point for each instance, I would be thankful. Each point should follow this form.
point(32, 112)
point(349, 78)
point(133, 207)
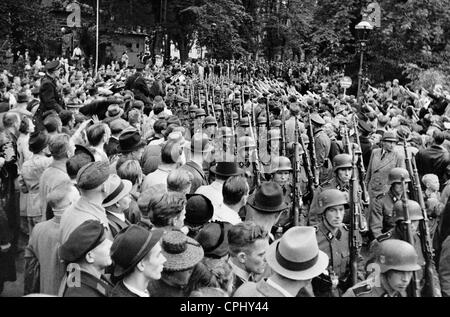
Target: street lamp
point(363, 29)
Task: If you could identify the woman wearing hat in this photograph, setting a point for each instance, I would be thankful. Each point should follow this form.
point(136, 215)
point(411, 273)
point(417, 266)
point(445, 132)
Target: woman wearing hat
point(138, 259)
point(182, 254)
point(295, 260)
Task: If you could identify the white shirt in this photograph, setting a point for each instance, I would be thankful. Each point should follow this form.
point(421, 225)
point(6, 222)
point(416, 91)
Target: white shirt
point(120, 215)
point(136, 291)
point(226, 214)
point(213, 192)
point(279, 288)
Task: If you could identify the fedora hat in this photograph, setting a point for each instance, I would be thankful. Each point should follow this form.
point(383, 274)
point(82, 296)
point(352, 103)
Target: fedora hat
point(130, 246)
point(130, 141)
point(268, 198)
point(226, 169)
point(38, 141)
point(119, 189)
point(114, 111)
point(181, 252)
point(296, 255)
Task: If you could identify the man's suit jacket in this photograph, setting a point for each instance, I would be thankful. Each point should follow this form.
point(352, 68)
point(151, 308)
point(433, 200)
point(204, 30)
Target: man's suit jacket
point(379, 168)
point(49, 96)
point(433, 160)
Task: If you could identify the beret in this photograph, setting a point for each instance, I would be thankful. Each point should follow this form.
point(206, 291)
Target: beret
point(83, 239)
point(92, 175)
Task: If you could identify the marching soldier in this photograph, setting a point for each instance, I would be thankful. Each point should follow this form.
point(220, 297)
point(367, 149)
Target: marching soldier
point(200, 115)
point(322, 145)
point(219, 115)
point(224, 145)
point(333, 239)
point(274, 142)
point(210, 126)
point(247, 160)
point(342, 167)
point(381, 216)
point(396, 260)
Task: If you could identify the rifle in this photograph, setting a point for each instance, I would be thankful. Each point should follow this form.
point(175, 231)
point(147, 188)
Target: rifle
point(355, 218)
point(283, 132)
point(256, 163)
point(361, 169)
point(429, 287)
point(232, 131)
point(346, 141)
point(315, 168)
point(414, 285)
point(267, 124)
point(296, 191)
point(307, 164)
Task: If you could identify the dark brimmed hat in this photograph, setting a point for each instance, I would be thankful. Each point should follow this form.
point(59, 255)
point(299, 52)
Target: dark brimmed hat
point(83, 239)
point(364, 126)
point(181, 252)
point(213, 238)
point(226, 169)
point(315, 118)
point(199, 209)
point(80, 149)
point(92, 175)
point(114, 111)
point(130, 141)
point(130, 246)
point(119, 189)
point(52, 66)
point(268, 198)
point(38, 141)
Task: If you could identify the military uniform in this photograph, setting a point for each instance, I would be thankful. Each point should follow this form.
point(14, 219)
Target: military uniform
point(381, 220)
point(90, 286)
point(323, 145)
point(368, 288)
point(336, 246)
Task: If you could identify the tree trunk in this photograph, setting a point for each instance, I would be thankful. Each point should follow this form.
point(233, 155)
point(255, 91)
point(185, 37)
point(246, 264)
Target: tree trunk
point(184, 50)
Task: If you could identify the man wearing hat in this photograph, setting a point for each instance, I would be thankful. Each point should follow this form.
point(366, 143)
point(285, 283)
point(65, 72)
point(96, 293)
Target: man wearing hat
point(200, 115)
point(136, 253)
point(381, 162)
point(200, 153)
point(94, 185)
point(116, 203)
point(183, 254)
point(48, 92)
point(116, 126)
point(136, 83)
point(265, 206)
point(114, 112)
point(87, 249)
point(295, 259)
point(322, 144)
point(397, 260)
point(223, 145)
point(248, 160)
point(365, 130)
point(222, 171)
point(31, 174)
point(21, 106)
point(210, 125)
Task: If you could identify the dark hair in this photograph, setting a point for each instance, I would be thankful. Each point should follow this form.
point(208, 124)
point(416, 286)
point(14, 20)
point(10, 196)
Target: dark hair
point(163, 208)
point(66, 116)
point(130, 170)
point(95, 133)
point(170, 152)
point(158, 109)
point(234, 188)
point(51, 123)
point(75, 163)
point(159, 125)
point(438, 137)
point(243, 235)
point(24, 125)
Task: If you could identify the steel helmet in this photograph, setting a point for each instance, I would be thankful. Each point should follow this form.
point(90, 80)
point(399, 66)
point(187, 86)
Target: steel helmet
point(342, 161)
point(280, 163)
point(331, 197)
point(395, 175)
point(414, 210)
point(397, 255)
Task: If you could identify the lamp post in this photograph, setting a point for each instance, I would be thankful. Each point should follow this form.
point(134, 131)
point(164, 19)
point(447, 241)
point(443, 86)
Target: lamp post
point(363, 29)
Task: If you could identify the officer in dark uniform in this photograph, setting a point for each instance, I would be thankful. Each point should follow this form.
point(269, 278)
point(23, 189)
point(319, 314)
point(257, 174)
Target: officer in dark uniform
point(322, 144)
point(49, 93)
point(395, 262)
point(366, 145)
point(380, 220)
point(87, 253)
point(333, 239)
point(136, 83)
